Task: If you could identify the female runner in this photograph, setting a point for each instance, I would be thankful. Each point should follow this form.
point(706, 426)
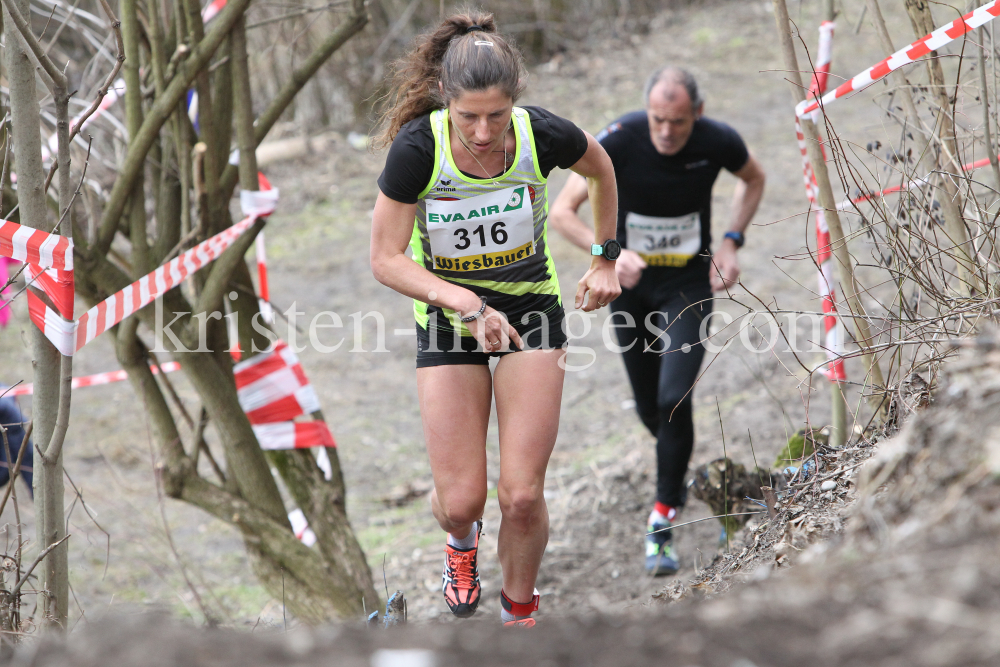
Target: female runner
point(464, 187)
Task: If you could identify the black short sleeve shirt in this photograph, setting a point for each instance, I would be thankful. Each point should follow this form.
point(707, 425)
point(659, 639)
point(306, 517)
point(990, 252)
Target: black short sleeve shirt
point(410, 163)
point(670, 185)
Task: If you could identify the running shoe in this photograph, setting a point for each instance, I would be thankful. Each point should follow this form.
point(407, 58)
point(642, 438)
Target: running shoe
point(521, 623)
point(660, 557)
point(461, 585)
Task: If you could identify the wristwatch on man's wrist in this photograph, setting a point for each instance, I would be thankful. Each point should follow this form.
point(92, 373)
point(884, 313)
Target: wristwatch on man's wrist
point(736, 237)
point(610, 249)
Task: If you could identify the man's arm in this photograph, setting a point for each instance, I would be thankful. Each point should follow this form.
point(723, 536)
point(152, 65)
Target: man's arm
point(747, 195)
point(746, 199)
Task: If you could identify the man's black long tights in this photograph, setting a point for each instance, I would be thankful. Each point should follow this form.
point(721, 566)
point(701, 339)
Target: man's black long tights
point(663, 369)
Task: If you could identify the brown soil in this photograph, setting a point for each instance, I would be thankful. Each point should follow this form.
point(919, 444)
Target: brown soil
point(910, 580)
point(600, 481)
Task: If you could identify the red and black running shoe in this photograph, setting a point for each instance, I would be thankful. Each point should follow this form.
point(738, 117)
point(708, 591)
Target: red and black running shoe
point(461, 578)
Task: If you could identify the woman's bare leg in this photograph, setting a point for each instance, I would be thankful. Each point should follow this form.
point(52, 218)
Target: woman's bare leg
point(455, 409)
point(528, 388)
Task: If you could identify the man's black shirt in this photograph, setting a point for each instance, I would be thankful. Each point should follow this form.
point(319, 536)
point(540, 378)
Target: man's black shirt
point(658, 185)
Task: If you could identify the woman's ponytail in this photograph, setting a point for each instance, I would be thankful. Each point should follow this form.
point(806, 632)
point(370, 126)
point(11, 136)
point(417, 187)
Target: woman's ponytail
point(464, 53)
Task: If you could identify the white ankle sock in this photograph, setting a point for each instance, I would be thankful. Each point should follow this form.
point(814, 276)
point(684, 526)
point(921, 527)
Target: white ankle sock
point(466, 542)
point(507, 617)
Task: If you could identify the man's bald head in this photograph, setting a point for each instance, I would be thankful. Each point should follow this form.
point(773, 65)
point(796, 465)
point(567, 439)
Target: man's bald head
point(674, 79)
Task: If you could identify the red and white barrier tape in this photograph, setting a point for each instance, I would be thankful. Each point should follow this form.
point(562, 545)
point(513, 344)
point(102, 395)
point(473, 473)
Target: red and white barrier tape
point(273, 390)
point(50, 269)
point(918, 49)
point(301, 527)
point(833, 339)
point(909, 185)
point(263, 290)
point(97, 379)
point(272, 387)
point(212, 10)
point(49, 251)
point(68, 336)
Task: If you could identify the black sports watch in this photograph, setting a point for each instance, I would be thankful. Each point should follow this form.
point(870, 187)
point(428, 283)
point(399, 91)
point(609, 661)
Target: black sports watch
point(737, 238)
point(610, 249)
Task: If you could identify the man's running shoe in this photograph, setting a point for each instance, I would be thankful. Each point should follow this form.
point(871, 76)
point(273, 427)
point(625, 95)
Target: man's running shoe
point(660, 558)
point(522, 623)
point(461, 578)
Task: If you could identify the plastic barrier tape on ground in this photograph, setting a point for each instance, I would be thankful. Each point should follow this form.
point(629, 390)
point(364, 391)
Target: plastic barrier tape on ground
point(833, 339)
point(918, 49)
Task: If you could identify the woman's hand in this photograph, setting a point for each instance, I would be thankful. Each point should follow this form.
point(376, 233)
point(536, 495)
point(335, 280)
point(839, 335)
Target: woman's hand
point(601, 282)
point(493, 331)
point(629, 266)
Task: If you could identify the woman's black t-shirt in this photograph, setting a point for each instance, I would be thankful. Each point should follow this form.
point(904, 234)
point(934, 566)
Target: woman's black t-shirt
point(656, 185)
point(410, 163)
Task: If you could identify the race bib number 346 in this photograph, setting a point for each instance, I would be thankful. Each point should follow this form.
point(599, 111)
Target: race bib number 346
point(664, 241)
point(491, 230)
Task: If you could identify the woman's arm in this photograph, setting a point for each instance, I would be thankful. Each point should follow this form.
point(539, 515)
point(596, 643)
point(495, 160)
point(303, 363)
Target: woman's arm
point(600, 281)
point(566, 220)
point(392, 226)
point(565, 213)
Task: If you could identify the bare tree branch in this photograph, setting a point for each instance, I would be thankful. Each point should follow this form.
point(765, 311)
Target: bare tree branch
point(158, 114)
point(58, 78)
point(38, 559)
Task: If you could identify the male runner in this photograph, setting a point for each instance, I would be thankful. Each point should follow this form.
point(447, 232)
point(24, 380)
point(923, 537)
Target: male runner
point(666, 161)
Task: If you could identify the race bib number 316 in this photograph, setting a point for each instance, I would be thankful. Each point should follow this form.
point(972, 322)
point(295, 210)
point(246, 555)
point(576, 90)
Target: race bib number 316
point(491, 230)
point(664, 241)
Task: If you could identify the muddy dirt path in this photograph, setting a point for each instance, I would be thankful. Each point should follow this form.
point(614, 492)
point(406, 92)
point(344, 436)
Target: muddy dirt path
point(600, 482)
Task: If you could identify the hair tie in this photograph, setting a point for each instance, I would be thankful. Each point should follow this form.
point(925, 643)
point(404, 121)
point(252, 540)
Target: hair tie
point(474, 28)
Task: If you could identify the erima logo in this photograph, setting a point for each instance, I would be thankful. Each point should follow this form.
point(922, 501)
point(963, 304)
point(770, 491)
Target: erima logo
point(444, 186)
point(695, 165)
point(443, 182)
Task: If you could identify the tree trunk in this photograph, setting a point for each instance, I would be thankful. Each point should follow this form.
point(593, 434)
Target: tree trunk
point(47, 362)
point(316, 584)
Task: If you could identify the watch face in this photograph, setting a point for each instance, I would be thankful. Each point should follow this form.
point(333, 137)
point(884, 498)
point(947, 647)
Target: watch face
point(612, 249)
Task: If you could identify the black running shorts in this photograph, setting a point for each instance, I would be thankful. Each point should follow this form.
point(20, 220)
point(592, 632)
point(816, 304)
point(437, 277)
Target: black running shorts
point(444, 348)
